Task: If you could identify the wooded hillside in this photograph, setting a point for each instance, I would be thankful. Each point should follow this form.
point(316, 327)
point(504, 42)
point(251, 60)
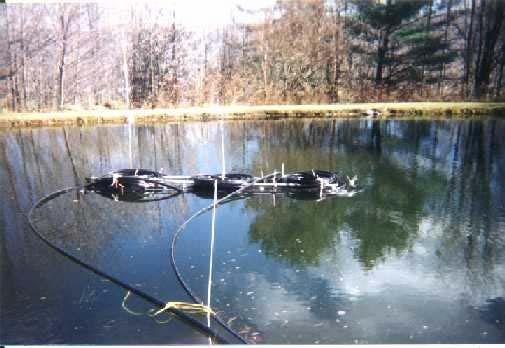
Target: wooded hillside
point(64, 56)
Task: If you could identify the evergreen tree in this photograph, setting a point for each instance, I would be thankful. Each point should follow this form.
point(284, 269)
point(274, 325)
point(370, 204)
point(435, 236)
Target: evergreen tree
point(400, 43)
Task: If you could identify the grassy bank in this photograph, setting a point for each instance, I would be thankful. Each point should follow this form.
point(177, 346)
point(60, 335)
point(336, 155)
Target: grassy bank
point(384, 110)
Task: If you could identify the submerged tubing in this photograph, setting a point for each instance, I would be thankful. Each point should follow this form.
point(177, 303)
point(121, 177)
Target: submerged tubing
point(181, 228)
point(200, 326)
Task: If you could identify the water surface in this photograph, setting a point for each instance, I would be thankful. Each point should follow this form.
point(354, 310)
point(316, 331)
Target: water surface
point(416, 257)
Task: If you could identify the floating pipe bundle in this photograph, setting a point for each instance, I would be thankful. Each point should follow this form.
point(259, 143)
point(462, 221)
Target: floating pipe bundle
point(143, 184)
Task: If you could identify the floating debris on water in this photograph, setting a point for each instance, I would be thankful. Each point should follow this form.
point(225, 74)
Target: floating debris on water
point(341, 313)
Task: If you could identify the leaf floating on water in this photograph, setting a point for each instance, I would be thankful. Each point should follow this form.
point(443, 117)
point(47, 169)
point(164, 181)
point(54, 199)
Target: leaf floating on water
point(231, 320)
point(245, 330)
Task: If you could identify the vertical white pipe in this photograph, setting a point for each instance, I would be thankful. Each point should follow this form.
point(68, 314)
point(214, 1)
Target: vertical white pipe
point(130, 125)
point(282, 170)
point(213, 231)
point(222, 152)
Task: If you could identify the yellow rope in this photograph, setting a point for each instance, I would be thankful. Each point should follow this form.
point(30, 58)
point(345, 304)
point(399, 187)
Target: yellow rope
point(123, 304)
point(194, 308)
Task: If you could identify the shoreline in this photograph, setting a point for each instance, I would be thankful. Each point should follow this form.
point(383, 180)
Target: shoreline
point(243, 112)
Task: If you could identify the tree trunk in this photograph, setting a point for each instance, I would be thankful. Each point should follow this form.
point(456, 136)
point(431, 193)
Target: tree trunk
point(175, 92)
point(126, 77)
point(477, 82)
point(381, 57)
point(11, 68)
point(23, 58)
point(336, 71)
point(499, 78)
point(494, 24)
point(442, 68)
point(468, 52)
point(64, 26)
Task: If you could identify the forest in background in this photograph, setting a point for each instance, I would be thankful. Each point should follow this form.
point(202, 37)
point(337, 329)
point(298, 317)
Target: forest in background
point(87, 55)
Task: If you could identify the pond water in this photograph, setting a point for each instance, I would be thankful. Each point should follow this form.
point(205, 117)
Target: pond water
point(418, 256)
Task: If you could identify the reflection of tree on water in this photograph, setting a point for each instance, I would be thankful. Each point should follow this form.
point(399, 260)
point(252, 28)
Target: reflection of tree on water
point(493, 312)
point(383, 218)
point(470, 207)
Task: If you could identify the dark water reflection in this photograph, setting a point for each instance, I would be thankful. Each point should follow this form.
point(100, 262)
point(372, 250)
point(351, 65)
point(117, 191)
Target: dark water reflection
point(416, 257)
